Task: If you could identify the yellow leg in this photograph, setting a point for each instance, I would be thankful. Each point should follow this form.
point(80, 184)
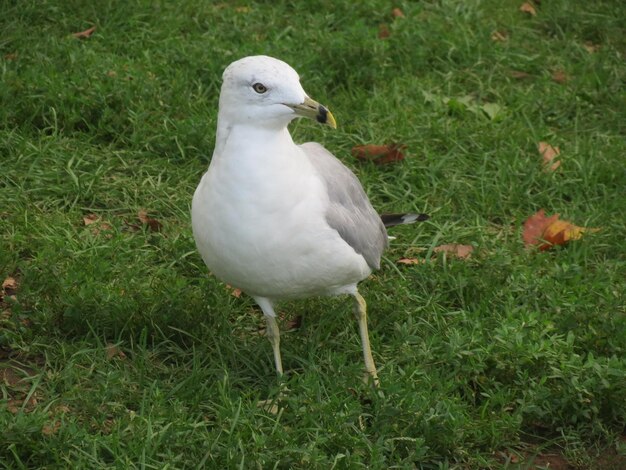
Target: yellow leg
point(360, 310)
point(273, 334)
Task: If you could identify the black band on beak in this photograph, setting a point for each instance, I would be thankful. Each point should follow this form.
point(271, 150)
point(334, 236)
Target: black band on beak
point(322, 115)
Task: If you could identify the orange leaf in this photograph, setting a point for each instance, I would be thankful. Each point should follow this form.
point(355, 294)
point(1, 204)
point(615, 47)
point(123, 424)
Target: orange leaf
point(153, 224)
point(379, 154)
point(410, 261)
point(456, 250)
point(549, 231)
point(397, 13)
point(549, 154)
point(85, 34)
point(528, 8)
point(383, 31)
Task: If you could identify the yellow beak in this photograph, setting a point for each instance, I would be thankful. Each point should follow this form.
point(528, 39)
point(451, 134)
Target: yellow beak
point(313, 110)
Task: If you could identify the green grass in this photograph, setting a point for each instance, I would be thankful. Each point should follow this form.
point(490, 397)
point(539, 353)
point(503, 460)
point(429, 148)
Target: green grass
point(483, 362)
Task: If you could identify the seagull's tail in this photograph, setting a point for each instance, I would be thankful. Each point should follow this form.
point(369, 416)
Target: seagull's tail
point(389, 220)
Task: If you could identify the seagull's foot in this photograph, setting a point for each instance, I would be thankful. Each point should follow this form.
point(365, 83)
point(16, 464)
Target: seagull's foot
point(371, 379)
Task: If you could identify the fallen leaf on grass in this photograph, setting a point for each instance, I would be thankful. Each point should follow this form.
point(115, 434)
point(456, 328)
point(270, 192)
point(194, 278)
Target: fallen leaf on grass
point(294, 324)
point(234, 291)
point(549, 231)
point(528, 8)
point(15, 405)
point(519, 74)
point(90, 219)
point(51, 428)
point(456, 250)
point(153, 224)
point(383, 31)
point(98, 224)
point(499, 36)
point(397, 13)
point(559, 76)
point(113, 350)
point(9, 287)
point(549, 155)
point(411, 261)
point(85, 34)
point(379, 154)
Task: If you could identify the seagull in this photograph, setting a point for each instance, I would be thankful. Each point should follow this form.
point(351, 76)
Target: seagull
point(280, 220)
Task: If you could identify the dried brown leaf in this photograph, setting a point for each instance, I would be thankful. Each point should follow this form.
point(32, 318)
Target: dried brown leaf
point(51, 428)
point(293, 324)
point(411, 261)
point(98, 224)
point(529, 8)
point(456, 250)
point(153, 224)
point(113, 350)
point(379, 154)
point(234, 291)
point(9, 286)
point(500, 36)
point(534, 227)
point(549, 155)
point(85, 34)
point(519, 74)
point(15, 405)
point(90, 219)
point(397, 13)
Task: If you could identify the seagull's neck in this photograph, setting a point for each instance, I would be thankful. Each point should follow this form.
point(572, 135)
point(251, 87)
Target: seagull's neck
point(253, 161)
point(238, 140)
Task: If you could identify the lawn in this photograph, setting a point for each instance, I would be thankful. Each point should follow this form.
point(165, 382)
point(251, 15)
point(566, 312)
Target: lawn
point(119, 350)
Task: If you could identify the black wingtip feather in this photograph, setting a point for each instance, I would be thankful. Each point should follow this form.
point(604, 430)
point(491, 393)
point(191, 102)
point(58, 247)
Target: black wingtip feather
point(389, 220)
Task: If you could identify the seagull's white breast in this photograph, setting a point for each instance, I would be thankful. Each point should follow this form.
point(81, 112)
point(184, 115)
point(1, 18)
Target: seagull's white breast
point(258, 219)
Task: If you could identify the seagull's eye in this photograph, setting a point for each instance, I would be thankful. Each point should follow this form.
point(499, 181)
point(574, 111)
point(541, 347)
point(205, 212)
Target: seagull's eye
point(259, 88)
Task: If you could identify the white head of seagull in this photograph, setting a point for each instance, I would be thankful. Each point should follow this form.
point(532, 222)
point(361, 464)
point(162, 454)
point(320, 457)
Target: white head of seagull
point(266, 92)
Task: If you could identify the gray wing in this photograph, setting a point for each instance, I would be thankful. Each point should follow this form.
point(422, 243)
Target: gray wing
point(350, 211)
